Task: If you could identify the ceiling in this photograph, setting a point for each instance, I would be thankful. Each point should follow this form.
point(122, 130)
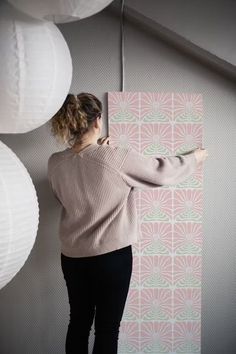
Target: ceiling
point(203, 29)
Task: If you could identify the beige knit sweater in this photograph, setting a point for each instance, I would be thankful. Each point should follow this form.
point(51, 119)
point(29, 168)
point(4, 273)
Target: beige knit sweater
point(95, 188)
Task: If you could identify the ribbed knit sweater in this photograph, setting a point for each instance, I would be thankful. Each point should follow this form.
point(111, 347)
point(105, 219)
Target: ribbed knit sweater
point(95, 188)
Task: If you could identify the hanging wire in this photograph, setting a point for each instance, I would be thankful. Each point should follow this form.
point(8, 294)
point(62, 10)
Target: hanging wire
point(122, 52)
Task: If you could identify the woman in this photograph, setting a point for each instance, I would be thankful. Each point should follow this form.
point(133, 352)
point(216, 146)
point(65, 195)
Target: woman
point(94, 183)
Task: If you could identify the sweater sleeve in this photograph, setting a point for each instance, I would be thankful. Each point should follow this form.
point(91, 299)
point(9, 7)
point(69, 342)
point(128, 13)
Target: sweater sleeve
point(142, 171)
point(49, 173)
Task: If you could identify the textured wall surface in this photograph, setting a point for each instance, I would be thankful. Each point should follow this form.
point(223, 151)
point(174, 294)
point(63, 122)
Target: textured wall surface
point(163, 309)
point(194, 19)
point(34, 306)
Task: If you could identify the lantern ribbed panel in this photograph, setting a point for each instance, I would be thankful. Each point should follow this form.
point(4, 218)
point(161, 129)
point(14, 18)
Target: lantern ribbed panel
point(60, 11)
point(35, 71)
point(19, 214)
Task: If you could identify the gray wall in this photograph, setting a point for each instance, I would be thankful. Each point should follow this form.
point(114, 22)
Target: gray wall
point(34, 306)
point(210, 24)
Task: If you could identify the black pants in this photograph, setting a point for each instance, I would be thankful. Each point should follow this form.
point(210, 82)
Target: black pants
point(99, 281)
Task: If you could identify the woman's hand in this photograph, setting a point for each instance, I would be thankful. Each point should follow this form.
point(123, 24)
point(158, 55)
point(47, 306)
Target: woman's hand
point(201, 154)
point(104, 140)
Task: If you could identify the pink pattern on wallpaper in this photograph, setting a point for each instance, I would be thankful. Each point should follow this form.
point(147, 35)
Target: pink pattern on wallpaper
point(125, 135)
point(156, 138)
point(163, 309)
point(155, 105)
point(124, 107)
point(156, 303)
point(185, 135)
point(155, 204)
point(156, 337)
point(187, 107)
point(187, 238)
point(187, 304)
point(156, 238)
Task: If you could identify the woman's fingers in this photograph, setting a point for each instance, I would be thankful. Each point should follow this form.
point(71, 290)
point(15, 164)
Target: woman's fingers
point(201, 154)
point(103, 140)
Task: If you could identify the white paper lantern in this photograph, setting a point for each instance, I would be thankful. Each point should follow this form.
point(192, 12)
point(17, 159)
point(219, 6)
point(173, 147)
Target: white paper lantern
point(60, 11)
point(19, 214)
point(35, 71)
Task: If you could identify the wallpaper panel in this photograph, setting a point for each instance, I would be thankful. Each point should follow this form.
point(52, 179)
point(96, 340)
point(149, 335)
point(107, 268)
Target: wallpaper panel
point(163, 308)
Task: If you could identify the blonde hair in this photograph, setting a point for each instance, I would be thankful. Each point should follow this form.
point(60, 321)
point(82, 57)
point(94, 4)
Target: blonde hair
point(75, 117)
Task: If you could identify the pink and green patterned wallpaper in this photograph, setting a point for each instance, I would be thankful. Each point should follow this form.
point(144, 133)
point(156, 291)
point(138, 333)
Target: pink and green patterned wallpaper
point(163, 308)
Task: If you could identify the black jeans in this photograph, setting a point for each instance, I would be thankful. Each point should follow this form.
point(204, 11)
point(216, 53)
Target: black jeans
point(100, 282)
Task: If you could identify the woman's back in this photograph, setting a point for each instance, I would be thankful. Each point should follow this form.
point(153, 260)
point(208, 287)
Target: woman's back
point(95, 188)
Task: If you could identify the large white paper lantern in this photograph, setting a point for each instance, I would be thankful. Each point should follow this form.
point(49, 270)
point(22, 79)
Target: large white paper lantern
point(35, 71)
point(19, 214)
point(60, 11)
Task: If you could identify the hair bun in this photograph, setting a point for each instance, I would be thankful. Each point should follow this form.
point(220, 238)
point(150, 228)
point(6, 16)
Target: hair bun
point(75, 116)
